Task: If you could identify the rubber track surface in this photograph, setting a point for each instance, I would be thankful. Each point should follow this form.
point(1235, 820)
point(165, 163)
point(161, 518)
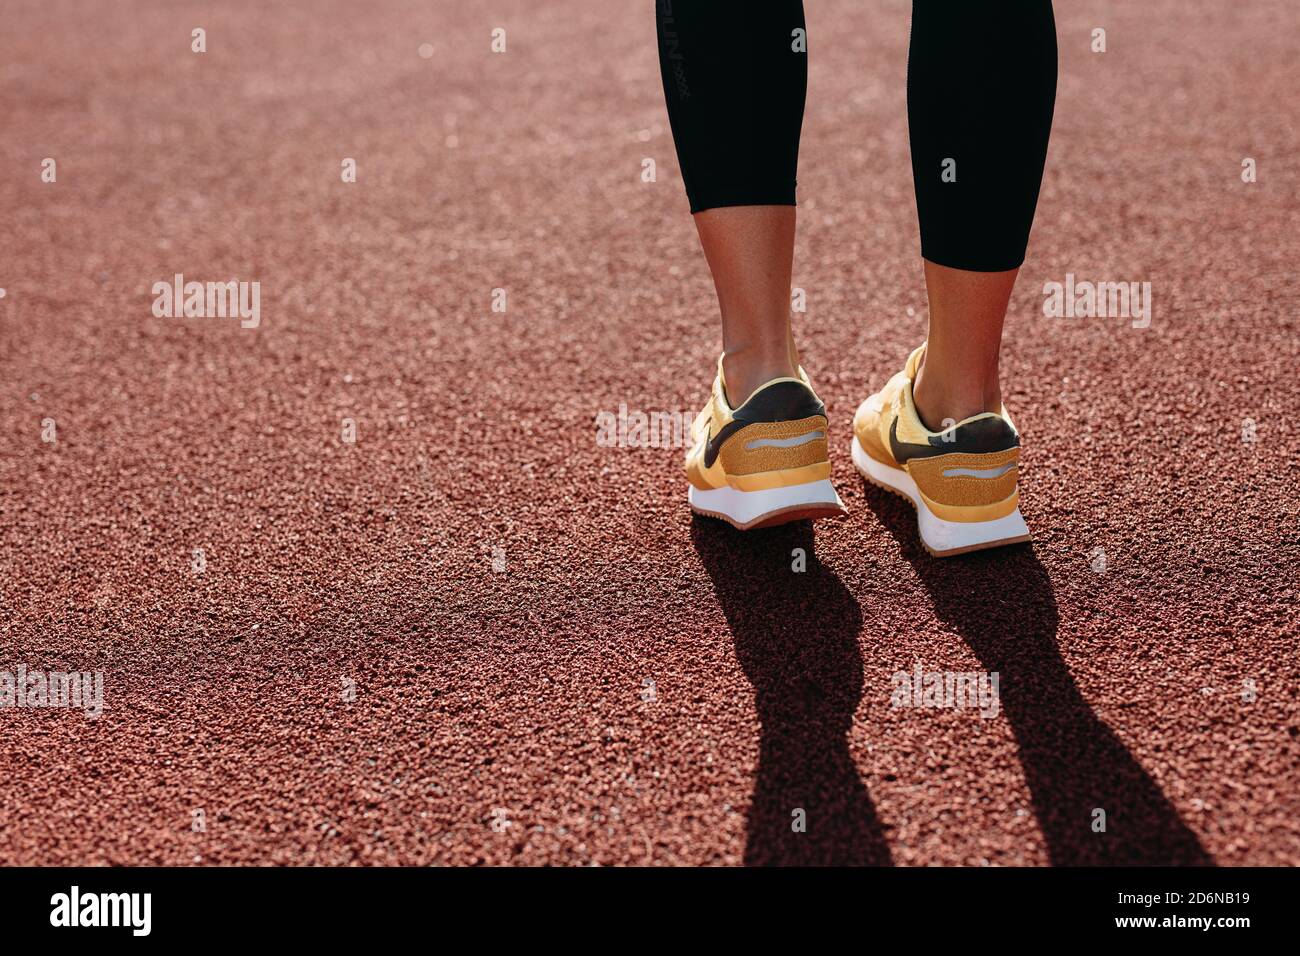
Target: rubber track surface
point(552, 661)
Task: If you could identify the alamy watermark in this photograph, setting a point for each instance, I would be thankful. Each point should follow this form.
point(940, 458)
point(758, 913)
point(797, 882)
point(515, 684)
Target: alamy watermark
point(209, 300)
point(37, 688)
point(636, 429)
point(130, 910)
point(1092, 300)
point(974, 690)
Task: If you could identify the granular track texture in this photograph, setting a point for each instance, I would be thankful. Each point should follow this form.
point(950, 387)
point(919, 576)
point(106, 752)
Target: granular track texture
point(475, 635)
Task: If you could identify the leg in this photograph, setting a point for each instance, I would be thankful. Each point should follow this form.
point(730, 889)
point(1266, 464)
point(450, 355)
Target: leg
point(734, 81)
point(981, 87)
point(735, 74)
point(981, 83)
point(750, 251)
point(958, 376)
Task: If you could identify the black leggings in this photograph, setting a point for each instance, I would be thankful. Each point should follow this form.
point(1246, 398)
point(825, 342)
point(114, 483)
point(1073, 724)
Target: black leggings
point(981, 85)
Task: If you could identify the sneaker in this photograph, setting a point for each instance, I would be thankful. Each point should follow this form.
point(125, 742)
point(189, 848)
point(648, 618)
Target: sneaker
point(961, 481)
point(765, 462)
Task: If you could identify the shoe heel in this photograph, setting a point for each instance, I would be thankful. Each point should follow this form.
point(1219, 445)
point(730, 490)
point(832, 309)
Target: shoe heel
point(942, 536)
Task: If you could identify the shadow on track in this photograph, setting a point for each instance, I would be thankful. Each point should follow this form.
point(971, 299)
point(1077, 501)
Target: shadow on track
point(796, 637)
point(1001, 603)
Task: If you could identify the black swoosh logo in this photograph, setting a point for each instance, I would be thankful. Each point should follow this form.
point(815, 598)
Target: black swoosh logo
point(715, 442)
point(782, 402)
point(906, 450)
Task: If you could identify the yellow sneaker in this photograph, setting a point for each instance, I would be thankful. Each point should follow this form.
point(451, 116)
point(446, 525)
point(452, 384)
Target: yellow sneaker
point(765, 462)
point(962, 481)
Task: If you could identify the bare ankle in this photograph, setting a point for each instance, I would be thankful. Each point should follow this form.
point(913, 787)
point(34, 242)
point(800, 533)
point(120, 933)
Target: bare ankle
point(745, 370)
point(941, 403)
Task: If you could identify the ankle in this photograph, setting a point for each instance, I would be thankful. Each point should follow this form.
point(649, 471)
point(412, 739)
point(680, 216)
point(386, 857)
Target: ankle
point(745, 370)
point(942, 402)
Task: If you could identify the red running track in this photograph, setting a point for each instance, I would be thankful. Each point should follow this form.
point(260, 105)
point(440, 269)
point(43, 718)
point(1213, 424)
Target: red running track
point(549, 660)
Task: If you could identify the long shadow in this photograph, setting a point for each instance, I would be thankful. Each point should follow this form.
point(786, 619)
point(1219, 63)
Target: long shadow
point(1001, 603)
point(796, 638)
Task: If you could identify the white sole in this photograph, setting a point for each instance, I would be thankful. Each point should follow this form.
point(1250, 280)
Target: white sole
point(941, 538)
point(753, 509)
